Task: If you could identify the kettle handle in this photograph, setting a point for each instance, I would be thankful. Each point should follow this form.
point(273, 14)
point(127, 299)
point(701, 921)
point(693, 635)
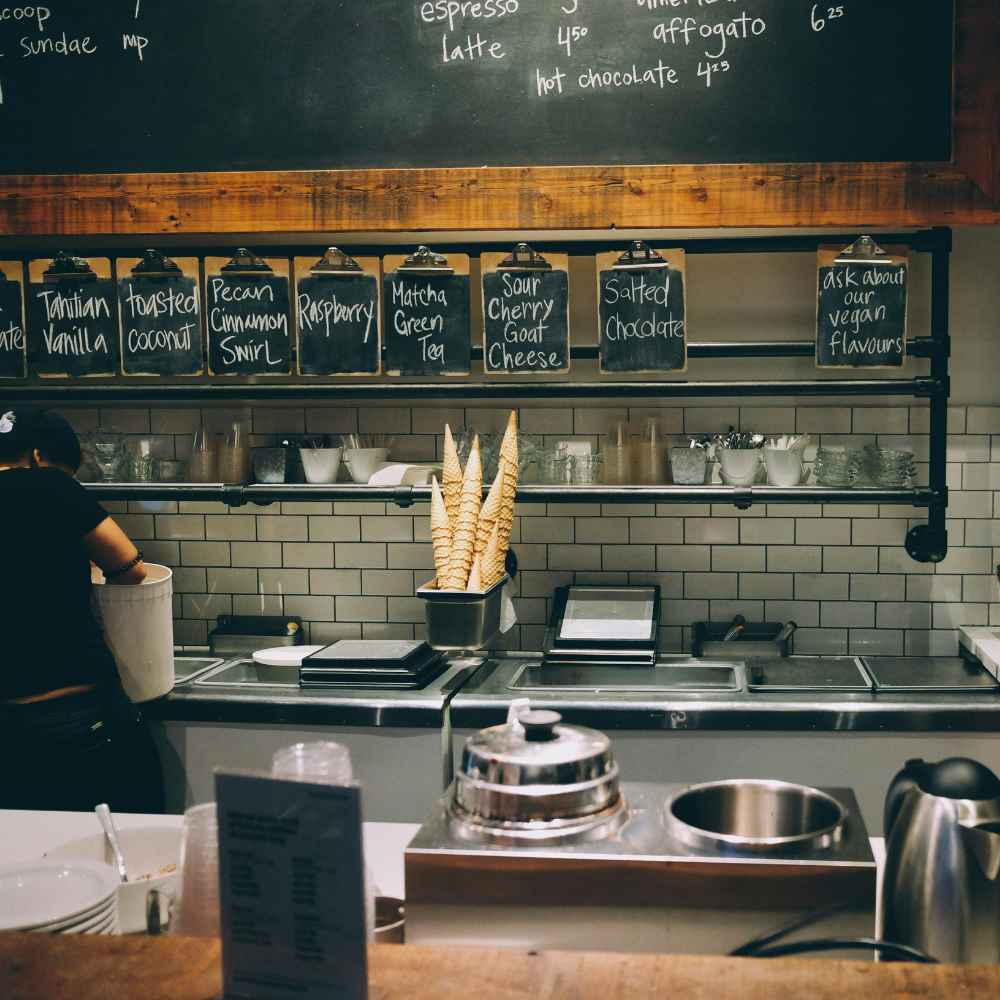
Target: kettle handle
point(906, 780)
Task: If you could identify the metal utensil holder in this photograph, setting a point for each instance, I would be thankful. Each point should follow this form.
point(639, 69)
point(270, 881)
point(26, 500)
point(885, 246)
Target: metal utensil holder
point(459, 621)
point(758, 639)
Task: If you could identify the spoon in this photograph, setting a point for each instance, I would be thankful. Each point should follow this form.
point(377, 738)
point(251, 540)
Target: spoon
point(104, 816)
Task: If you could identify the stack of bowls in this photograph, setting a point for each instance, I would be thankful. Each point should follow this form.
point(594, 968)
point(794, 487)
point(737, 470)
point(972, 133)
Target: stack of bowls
point(55, 897)
point(835, 466)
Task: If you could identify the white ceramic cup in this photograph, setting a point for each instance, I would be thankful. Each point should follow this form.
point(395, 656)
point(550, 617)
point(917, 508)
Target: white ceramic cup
point(363, 463)
point(151, 855)
point(784, 467)
point(739, 465)
point(321, 465)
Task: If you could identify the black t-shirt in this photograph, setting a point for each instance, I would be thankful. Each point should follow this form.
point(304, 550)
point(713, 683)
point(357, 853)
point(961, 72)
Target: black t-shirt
point(50, 638)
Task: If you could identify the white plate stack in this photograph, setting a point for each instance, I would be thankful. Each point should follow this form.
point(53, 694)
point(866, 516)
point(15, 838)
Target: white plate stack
point(55, 897)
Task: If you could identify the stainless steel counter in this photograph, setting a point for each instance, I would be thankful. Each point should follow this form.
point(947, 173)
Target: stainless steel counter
point(484, 697)
point(357, 707)
point(473, 693)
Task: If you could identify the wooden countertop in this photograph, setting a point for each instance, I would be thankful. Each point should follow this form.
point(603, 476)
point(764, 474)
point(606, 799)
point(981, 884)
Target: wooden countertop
point(33, 967)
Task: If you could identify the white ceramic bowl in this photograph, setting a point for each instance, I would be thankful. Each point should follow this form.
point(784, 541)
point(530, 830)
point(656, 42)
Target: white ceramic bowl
point(151, 854)
point(320, 465)
point(784, 467)
point(739, 465)
point(363, 463)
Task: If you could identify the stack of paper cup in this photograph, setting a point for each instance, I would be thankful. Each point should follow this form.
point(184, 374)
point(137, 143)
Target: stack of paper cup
point(324, 763)
point(199, 874)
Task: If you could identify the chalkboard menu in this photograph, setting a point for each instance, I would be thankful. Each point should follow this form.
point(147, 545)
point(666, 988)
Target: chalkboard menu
point(13, 355)
point(338, 315)
point(158, 300)
point(642, 311)
point(72, 318)
point(525, 315)
point(247, 315)
point(427, 325)
point(861, 312)
point(137, 85)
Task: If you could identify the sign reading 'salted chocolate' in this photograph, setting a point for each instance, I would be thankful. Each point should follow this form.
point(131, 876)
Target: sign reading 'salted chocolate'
point(13, 341)
point(642, 311)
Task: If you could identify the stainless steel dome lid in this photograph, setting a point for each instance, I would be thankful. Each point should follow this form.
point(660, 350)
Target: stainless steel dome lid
point(535, 769)
point(537, 749)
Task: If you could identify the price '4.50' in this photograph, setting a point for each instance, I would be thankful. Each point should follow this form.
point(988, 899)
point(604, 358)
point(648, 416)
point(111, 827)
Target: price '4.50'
point(820, 19)
point(570, 34)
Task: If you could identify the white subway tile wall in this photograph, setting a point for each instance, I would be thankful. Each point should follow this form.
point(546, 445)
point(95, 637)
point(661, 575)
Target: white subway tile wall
point(350, 569)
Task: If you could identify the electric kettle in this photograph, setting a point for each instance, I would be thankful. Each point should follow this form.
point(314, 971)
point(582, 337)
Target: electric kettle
point(941, 890)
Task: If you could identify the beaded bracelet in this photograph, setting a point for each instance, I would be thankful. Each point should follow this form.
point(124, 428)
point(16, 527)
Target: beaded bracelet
point(122, 570)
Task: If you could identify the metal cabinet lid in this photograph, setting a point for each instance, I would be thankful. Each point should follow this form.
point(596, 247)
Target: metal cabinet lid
point(929, 673)
point(807, 673)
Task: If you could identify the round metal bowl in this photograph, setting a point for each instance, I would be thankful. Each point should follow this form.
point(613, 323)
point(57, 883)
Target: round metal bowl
point(755, 816)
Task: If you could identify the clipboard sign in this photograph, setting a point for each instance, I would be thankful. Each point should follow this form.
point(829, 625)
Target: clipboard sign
point(338, 314)
point(248, 315)
point(159, 306)
point(427, 326)
point(13, 336)
point(862, 304)
point(72, 312)
point(525, 312)
point(642, 310)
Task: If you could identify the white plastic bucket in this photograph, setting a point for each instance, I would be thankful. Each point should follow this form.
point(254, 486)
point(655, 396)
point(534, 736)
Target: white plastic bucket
point(139, 629)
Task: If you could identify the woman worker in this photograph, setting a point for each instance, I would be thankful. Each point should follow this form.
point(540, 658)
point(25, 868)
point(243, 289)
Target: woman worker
point(69, 736)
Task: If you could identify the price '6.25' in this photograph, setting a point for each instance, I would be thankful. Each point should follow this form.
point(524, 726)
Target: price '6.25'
point(821, 15)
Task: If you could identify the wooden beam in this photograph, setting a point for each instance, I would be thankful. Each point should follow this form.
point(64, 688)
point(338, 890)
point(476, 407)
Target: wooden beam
point(977, 94)
point(600, 198)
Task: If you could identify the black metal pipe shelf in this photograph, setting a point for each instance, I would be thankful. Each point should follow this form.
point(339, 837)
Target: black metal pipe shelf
point(404, 496)
point(310, 391)
point(919, 240)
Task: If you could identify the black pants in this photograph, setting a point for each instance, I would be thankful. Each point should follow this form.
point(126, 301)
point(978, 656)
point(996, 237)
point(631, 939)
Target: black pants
point(75, 752)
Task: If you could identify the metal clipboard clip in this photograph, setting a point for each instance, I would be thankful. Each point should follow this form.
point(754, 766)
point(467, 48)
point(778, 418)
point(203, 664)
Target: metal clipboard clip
point(425, 261)
point(67, 267)
point(246, 264)
point(155, 264)
point(640, 257)
point(336, 263)
point(864, 250)
point(524, 258)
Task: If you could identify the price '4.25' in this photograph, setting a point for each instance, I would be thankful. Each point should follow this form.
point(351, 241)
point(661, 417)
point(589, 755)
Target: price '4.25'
point(822, 15)
point(706, 70)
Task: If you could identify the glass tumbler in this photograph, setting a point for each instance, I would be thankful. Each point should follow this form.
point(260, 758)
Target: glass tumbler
point(202, 467)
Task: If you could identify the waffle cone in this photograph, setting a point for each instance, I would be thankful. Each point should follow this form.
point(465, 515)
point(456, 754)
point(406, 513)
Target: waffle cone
point(490, 512)
point(451, 478)
point(476, 576)
point(509, 467)
point(463, 539)
point(440, 533)
point(493, 559)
